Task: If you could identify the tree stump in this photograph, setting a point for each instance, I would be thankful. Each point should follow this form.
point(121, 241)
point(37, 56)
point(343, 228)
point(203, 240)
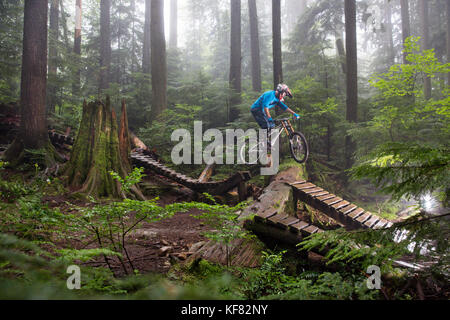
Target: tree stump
point(98, 149)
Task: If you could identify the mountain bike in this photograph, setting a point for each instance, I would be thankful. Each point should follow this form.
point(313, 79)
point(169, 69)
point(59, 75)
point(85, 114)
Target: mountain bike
point(298, 145)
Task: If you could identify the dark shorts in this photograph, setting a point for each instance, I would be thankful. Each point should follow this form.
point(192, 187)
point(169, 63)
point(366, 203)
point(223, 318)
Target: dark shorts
point(263, 121)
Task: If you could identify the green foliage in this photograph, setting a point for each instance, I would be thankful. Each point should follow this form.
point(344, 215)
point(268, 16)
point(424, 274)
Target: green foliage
point(408, 149)
point(158, 136)
point(272, 282)
point(270, 279)
point(425, 238)
point(132, 179)
point(225, 222)
point(72, 255)
point(407, 169)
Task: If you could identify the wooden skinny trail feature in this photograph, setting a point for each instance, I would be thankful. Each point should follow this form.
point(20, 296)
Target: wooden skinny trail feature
point(350, 215)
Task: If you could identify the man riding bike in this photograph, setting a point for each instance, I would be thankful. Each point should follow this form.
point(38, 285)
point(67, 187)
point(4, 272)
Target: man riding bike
point(260, 110)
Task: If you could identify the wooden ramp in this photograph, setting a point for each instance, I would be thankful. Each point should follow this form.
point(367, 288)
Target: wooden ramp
point(141, 158)
point(211, 187)
point(346, 213)
point(281, 226)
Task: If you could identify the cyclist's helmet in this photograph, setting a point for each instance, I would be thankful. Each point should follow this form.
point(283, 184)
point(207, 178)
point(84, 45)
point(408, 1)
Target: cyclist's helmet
point(282, 88)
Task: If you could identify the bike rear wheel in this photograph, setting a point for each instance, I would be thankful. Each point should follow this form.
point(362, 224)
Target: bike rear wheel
point(299, 147)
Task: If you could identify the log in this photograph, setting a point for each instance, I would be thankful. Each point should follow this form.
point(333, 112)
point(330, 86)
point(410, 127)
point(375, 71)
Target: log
point(207, 173)
point(137, 143)
point(278, 194)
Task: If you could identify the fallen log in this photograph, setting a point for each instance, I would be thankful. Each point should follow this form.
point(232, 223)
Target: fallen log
point(137, 143)
point(207, 173)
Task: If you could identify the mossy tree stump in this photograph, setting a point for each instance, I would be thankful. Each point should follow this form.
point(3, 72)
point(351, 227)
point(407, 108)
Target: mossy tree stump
point(98, 149)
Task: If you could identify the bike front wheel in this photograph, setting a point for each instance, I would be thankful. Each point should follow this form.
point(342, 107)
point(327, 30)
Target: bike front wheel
point(299, 147)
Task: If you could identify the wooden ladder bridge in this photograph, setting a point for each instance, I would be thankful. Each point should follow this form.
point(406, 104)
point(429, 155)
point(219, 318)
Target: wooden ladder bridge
point(293, 230)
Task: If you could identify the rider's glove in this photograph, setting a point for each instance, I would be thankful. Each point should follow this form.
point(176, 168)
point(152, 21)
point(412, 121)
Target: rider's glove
point(271, 122)
point(296, 116)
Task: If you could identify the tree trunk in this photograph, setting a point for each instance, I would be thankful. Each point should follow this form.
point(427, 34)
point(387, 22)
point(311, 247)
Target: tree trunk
point(105, 44)
point(389, 39)
point(448, 37)
point(352, 76)
point(341, 54)
point(53, 56)
point(423, 5)
point(276, 48)
point(406, 27)
point(158, 59)
point(77, 48)
point(99, 149)
point(146, 48)
point(254, 42)
point(33, 128)
point(235, 59)
point(64, 25)
point(133, 37)
point(173, 44)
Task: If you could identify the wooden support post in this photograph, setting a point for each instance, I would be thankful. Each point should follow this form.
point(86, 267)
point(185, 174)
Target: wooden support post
point(242, 191)
point(207, 173)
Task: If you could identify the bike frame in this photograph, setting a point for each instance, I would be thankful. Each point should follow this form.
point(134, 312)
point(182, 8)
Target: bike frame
point(285, 125)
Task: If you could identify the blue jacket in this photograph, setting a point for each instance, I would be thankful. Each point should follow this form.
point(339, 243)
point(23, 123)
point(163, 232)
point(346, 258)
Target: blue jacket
point(268, 100)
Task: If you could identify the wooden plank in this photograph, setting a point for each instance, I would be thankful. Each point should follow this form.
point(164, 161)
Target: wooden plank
point(380, 224)
point(340, 204)
point(325, 197)
point(305, 186)
point(332, 201)
point(276, 218)
point(356, 213)
point(371, 222)
point(318, 194)
point(309, 191)
point(310, 229)
point(364, 217)
point(299, 225)
point(297, 182)
point(348, 209)
point(267, 214)
point(289, 221)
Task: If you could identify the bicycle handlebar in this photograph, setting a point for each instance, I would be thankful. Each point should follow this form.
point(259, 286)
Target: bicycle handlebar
point(286, 119)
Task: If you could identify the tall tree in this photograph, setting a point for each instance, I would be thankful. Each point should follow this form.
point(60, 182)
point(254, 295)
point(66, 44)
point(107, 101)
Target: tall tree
point(77, 47)
point(406, 27)
point(254, 43)
point(105, 44)
point(448, 38)
point(235, 58)
point(295, 9)
point(53, 55)
point(173, 24)
point(352, 74)
point(423, 8)
point(389, 35)
point(158, 59)
point(146, 47)
point(33, 129)
point(276, 43)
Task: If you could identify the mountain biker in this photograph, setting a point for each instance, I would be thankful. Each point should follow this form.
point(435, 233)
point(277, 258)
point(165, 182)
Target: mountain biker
point(260, 110)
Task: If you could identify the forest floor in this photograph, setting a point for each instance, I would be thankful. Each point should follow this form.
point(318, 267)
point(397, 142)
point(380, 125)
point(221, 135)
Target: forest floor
point(154, 247)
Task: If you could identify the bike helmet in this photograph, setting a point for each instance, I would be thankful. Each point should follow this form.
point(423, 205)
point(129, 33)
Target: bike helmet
point(282, 88)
